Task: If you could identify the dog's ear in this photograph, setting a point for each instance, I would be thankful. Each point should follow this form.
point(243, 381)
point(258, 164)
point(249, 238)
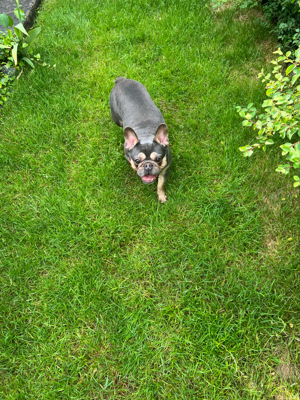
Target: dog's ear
point(130, 138)
point(161, 135)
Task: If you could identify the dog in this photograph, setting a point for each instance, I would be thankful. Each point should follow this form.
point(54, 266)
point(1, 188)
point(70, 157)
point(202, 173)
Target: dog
point(145, 132)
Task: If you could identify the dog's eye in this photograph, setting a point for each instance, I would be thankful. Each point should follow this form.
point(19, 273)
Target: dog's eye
point(137, 161)
point(158, 159)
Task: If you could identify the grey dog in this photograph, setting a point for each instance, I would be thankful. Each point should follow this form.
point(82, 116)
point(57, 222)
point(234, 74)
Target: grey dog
point(145, 132)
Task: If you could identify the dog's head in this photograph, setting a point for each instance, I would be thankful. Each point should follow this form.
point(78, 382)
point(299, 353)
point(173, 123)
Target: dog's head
point(147, 159)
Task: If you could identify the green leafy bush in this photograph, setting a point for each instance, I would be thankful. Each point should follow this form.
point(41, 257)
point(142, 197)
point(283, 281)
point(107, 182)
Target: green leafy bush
point(235, 4)
point(282, 112)
point(14, 49)
point(19, 41)
point(282, 17)
point(285, 18)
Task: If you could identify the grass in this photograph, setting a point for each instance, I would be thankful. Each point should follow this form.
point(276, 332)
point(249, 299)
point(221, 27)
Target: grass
point(105, 293)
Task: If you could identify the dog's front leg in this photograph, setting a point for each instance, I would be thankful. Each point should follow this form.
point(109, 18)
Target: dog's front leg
point(161, 193)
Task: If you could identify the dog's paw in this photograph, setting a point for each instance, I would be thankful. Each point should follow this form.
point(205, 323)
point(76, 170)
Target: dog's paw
point(162, 198)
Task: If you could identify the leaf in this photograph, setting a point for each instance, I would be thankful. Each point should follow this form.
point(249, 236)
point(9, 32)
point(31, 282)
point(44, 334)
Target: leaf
point(21, 28)
point(284, 169)
point(14, 53)
point(19, 14)
point(296, 184)
point(11, 21)
point(286, 148)
point(32, 35)
point(290, 68)
point(249, 105)
point(296, 178)
point(289, 134)
point(19, 34)
point(4, 20)
point(269, 141)
point(258, 124)
point(267, 103)
point(278, 97)
point(28, 61)
point(248, 153)
point(2, 46)
point(294, 155)
point(294, 78)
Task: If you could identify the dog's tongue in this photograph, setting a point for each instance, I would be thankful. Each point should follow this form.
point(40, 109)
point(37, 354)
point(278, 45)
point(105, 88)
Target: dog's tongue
point(148, 178)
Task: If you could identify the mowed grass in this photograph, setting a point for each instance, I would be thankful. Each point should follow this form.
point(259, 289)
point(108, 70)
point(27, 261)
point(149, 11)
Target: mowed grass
point(105, 293)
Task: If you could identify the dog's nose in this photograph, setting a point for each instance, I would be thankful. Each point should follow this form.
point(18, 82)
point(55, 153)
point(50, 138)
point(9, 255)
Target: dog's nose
point(148, 166)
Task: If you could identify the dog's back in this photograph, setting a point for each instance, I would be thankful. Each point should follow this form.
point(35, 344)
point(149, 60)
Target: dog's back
point(131, 105)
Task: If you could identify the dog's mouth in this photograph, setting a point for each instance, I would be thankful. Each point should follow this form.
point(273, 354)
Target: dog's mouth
point(149, 178)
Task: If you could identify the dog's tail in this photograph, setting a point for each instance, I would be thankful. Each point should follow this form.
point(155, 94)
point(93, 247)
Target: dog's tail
point(119, 79)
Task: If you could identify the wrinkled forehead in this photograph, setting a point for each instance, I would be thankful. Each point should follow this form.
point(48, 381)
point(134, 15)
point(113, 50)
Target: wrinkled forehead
point(148, 149)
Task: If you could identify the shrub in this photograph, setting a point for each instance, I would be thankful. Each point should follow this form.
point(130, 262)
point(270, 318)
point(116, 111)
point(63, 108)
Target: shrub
point(19, 41)
point(14, 49)
point(282, 112)
point(282, 17)
point(285, 17)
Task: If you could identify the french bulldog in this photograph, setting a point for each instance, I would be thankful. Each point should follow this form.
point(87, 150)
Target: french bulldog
point(145, 132)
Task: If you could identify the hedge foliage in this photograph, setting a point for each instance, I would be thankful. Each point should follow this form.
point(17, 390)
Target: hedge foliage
point(284, 16)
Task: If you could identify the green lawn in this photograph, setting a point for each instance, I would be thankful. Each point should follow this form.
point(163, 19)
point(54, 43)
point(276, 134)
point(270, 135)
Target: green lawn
point(106, 293)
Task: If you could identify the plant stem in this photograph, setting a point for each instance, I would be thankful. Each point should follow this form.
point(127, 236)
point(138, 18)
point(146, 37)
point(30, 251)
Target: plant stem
point(295, 143)
point(18, 11)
